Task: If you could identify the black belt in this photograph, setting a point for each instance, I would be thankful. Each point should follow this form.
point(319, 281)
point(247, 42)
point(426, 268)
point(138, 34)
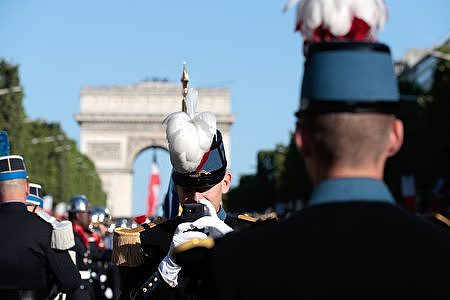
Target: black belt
point(13, 294)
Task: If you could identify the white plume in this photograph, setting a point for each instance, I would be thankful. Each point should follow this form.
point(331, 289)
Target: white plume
point(337, 15)
point(191, 102)
point(189, 135)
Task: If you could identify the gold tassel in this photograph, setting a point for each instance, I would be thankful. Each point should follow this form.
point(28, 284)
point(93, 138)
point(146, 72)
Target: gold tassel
point(127, 250)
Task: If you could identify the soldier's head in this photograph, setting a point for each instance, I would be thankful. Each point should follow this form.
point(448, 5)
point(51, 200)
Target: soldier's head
point(34, 199)
point(13, 179)
point(197, 155)
point(209, 181)
point(100, 219)
point(79, 211)
point(346, 122)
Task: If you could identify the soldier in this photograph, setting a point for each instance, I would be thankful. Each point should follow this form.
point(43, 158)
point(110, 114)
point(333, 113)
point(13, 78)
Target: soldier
point(62, 235)
point(351, 240)
point(87, 249)
point(200, 175)
point(34, 199)
point(107, 280)
point(28, 262)
point(100, 224)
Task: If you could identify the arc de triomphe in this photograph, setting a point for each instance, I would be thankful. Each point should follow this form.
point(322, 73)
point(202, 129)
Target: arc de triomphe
point(119, 122)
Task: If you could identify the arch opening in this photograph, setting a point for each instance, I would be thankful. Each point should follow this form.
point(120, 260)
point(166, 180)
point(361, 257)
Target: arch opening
point(142, 171)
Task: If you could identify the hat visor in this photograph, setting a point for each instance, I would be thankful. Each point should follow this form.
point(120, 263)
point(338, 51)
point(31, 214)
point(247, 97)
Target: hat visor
point(33, 200)
point(199, 180)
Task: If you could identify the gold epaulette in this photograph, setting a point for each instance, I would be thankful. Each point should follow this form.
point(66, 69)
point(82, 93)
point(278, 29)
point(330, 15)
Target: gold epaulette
point(127, 245)
point(207, 243)
point(259, 218)
point(247, 218)
point(440, 218)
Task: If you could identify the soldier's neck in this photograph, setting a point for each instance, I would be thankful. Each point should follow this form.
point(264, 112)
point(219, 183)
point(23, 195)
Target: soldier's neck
point(349, 172)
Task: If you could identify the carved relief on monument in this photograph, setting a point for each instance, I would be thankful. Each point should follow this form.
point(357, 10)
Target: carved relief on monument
point(121, 125)
point(103, 150)
point(137, 144)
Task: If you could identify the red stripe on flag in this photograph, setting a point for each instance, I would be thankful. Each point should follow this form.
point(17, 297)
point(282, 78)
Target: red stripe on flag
point(153, 189)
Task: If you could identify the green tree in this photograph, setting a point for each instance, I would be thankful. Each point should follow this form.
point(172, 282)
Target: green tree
point(54, 162)
point(260, 191)
point(437, 131)
point(12, 113)
point(296, 183)
point(426, 148)
point(52, 159)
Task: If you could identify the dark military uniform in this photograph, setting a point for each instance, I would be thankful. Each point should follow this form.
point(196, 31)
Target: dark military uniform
point(156, 242)
point(351, 240)
point(87, 254)
point(88, 257)
point(29, 266)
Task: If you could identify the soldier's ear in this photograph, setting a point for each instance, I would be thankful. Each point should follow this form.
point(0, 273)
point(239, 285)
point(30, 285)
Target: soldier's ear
point(226, 183)
point(301, 140)
point(27, 187)
point(395, 137)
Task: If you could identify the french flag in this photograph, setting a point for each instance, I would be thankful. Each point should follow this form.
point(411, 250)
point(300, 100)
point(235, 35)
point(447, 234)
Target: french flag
point(153, 189)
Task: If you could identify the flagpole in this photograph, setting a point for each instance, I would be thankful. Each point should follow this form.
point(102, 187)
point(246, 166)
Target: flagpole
point(184, 90)
point(154, 156)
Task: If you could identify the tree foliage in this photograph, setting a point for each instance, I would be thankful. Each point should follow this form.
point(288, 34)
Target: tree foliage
point(282, 177)
point(426, 149)
point(296, 183)
point(12, 113)
point(262, 190)
point(52, 159)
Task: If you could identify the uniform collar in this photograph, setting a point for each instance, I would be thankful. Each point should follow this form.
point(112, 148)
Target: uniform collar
point(13, 205)
point(351, 189)
point(222, 214)
point(12, 201)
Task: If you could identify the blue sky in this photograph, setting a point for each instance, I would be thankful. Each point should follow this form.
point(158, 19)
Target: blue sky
point(246, 46)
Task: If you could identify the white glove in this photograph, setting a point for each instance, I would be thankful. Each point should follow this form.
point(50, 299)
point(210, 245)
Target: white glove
point(211, 223)
point(185, 232)
point(168, 268)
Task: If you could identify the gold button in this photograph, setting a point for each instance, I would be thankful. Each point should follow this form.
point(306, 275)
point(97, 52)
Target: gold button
point(155, 279)
point(150, 284)
point(144, 290)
